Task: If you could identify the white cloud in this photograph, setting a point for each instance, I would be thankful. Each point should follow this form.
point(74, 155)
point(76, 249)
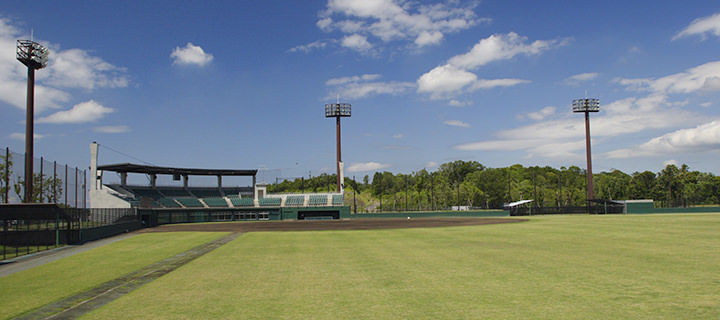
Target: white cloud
point(701, 27)
point(542, 114)
point(306, 48)
point(431, 164)
point(367, 166)
point(112, 129)
point(705, 77)
point(494, 83)
point(21, 136)
point(67, 69)
point(388, 20)
point(457, 123)
point(576, 79)
point(344, 80)
point(452, 78)
point(357, 87)
point(670, 162)
point(75, 68)
point(562, 135)
point(398, 136)
point(499, 47)
point(89, 111)
point(704, 137)
point(364, 90)
point(426, 38)
point(190, 55)
point(445, 79)
point(356, 42)
point(458, 103)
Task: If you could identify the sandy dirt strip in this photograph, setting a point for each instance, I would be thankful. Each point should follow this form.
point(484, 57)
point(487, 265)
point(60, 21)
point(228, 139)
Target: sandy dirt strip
point(343, 224)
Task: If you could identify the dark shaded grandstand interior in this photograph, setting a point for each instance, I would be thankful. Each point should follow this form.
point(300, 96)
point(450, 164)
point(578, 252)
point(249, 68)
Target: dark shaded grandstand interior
point(191, 197)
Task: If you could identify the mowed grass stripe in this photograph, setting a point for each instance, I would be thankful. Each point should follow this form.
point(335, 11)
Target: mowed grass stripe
point(30, 289)
point(577, 267)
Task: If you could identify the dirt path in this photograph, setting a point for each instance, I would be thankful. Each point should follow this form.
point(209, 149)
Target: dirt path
point(84, 302)
point(316, 225)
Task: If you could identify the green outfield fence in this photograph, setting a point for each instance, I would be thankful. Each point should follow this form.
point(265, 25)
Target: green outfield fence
point(433, 214)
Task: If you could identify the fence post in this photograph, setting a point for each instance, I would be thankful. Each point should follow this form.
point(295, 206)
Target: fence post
point(7, 178)
point(66, 185)
point(55, 181)
point(85, 191)
point(41, 179)
point(76, 187)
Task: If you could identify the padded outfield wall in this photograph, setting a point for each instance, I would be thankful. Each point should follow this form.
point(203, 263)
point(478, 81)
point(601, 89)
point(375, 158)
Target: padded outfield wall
point(154, 217)
point(648, 207)
point(673, 210)
point(433, 214)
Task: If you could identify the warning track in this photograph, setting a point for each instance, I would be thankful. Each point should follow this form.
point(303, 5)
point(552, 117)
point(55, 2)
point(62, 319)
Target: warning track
point(343, 224)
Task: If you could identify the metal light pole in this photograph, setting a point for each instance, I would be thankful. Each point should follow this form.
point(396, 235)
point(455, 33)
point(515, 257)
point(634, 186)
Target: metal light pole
point(34, 56)
point(586, 106)
point(338, 110)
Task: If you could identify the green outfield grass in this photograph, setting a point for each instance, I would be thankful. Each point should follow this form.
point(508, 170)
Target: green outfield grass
point(32, 288)
point(552, 267)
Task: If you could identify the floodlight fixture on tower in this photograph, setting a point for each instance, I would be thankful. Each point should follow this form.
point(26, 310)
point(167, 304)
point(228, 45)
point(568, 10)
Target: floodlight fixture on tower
point(34, 56)
point(337, 111)
point(586, 106)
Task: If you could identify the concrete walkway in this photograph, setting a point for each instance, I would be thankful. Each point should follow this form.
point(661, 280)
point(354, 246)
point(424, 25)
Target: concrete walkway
point(37, 259)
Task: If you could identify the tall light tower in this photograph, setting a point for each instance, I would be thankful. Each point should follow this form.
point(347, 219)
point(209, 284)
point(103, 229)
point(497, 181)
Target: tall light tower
point(34, 56)
point(587, 105)
point(337, 111)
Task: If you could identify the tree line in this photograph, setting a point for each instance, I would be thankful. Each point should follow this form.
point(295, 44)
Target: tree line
point(469, 183)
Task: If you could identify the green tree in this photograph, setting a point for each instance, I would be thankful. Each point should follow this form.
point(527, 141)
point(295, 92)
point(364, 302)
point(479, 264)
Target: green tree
point(613, 185)
point(5, 173)
point(643, 185)
point(45, 189)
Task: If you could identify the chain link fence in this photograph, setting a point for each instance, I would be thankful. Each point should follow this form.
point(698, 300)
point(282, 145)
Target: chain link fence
point(52, 182)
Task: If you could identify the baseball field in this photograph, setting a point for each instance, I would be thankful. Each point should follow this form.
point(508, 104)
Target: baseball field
point(548, 267)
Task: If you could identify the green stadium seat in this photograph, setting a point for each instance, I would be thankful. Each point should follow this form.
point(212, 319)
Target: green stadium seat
point(242, 202)
point(318, 200)
point(215, 202)
point(168, 203)
point(190, 202)
point(295, 201)
point(337, 199)
point(270, 202)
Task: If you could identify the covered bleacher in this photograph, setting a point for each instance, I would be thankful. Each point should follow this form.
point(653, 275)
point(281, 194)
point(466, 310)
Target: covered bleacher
point(185, 196)
point(156, 195)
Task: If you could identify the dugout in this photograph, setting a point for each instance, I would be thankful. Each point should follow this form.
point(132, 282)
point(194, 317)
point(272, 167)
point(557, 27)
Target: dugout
point(315, 213)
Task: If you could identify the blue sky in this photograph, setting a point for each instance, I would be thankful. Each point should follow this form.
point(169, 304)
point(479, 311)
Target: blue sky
point(242, 85)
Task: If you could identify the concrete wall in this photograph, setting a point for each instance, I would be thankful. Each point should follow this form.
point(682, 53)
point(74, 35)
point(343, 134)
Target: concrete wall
point(102, 198)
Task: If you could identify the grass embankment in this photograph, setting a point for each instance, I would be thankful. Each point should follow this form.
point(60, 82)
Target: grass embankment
point(32, 288)
point(562, 267)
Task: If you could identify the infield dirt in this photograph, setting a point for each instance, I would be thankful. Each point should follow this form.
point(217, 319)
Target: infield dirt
point(343, 224)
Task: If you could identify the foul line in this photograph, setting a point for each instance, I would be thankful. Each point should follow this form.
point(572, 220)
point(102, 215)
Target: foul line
point(94, 298)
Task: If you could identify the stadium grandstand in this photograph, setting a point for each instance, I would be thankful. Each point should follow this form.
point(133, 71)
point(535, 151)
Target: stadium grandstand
point(184, 202)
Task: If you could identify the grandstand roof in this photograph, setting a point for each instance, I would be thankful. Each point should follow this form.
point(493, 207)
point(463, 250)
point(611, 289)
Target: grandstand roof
point(138, 168)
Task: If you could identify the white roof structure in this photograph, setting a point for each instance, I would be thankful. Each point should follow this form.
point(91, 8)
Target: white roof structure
point(518, 203)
